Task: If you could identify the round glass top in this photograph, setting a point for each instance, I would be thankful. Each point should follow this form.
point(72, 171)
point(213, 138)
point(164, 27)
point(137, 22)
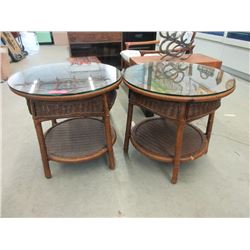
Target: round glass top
point(61, 79)
point(179, 79)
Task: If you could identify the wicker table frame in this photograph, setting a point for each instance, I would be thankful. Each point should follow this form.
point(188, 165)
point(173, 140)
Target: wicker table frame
point(79, 106)
point(177, 112)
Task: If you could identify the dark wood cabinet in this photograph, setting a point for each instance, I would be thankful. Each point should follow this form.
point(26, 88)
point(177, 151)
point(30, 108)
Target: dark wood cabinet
point(139, 36)
point(104, 45)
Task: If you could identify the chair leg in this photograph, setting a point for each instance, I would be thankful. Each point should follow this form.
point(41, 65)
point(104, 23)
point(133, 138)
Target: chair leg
point(128, 127)
point(54, 122)
point(123, 64)
point(147, 112)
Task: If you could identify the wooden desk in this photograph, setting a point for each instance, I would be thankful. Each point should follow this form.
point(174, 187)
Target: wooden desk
point(195, 58)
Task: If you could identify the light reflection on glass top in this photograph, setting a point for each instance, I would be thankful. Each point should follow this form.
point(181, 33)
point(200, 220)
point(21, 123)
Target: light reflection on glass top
point(64, 78)
point(179, 78)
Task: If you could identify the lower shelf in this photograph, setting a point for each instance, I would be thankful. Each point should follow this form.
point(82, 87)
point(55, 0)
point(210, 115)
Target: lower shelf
point(156, 139)
point(77, 140)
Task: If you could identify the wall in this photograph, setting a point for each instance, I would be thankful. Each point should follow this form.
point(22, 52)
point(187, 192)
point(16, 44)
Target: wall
point(60, 38)
point(234, 54)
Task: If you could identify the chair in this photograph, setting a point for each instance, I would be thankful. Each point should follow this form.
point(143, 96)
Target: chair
point(174, 44)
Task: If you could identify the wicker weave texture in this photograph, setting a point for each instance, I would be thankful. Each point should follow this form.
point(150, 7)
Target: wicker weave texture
point(200, 109)
point(76, 138)
point(71, 108)
point(157, 136)
point(170, 109)
point(162, 108)
point(53, 109)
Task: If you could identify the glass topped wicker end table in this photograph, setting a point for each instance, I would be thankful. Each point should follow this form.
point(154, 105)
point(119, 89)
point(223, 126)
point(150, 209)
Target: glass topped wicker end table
point(178, 93)
point(81, 94)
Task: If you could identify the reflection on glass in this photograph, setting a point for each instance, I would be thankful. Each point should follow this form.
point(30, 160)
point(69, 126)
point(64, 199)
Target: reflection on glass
point(205, 71)
point(219, 77)
point(166, 77)
point(64, 78)
point(171, 71)
point(179, 78)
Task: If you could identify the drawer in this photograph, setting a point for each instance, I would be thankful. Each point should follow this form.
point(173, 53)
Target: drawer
point(83, 37)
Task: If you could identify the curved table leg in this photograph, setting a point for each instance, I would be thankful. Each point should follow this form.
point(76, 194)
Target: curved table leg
point(43, 150)
point(128, 127)
point(108, 134)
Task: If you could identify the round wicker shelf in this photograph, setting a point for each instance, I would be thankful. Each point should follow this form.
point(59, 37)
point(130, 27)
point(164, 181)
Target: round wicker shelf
point(156, 137)
point(76, 140)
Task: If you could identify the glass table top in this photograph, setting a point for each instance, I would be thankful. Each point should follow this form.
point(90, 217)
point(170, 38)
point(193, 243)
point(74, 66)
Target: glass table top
point(179, 79)
point(64, 79)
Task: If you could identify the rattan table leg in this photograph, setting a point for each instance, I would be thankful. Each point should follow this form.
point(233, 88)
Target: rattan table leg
point(128, 127)
point(43, 150)
point(178, 146)
point(108, 135)
point(178, 143)
point(209, 128)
